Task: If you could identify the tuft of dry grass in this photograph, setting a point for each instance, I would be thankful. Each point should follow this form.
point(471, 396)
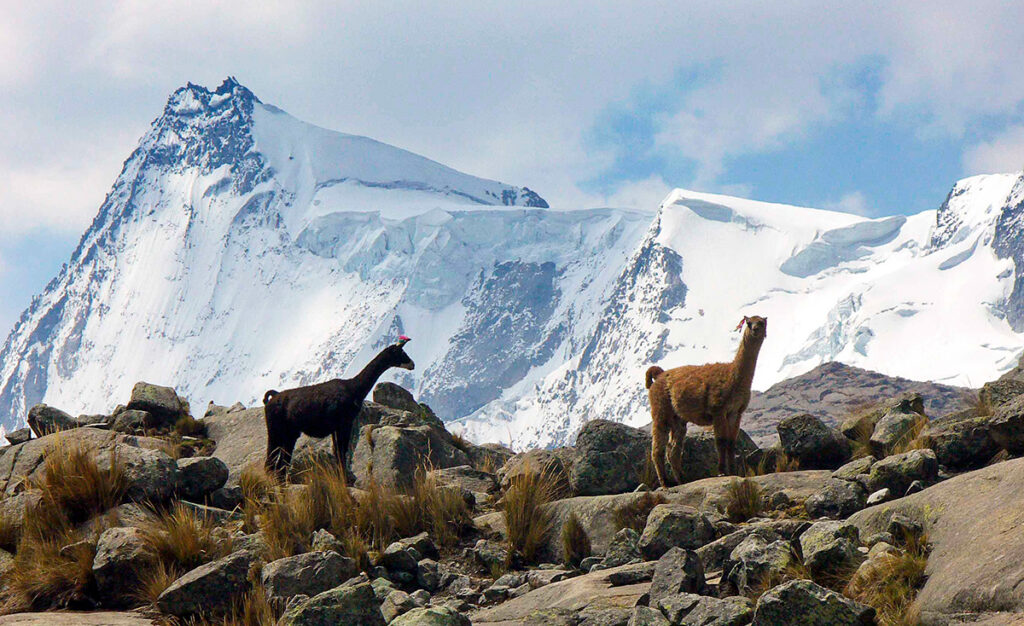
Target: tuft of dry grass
point(76, 484)
point(489, 464)
point(188, 426)
point(42, 578)
point(460, 442)
point(528, 518)
point(251, 609)
point(743, 499)
point(890, 582)
point(976, 403)
point(861, 441)
point(153, 581)
point(180, 540)
point(575, 542)
point(257, 483)
point(648, 475)
point(795, 570)
point(911, 440)
point(634, 515)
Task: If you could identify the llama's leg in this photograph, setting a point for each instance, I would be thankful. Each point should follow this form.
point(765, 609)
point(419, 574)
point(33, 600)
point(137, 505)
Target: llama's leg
point(280, 443)
point(721, 427)
point(736, 466)
point(659, 434)
point(340, 439)
point(675, 453)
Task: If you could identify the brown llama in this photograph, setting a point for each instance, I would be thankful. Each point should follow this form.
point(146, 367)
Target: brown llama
point(715, 394)
point(328, 408)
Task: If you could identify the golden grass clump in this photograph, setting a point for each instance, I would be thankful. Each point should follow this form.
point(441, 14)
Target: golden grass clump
point(795, 570)
point(528, 518)
point(257, 483)
point(743, 499)
point(188, 426)
point(634, 514)
point(890, 582)
point(575, 542)
point(75, 483)
point(42, 578)
point(911, 440)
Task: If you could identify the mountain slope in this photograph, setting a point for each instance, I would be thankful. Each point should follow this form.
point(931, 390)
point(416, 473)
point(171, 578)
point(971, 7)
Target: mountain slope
point(241, 249)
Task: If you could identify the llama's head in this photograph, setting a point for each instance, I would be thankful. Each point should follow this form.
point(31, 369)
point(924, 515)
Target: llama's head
point(757, 327)
point(395, 355)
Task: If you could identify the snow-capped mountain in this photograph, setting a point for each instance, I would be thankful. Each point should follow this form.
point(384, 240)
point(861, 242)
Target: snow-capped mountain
point(241, 249)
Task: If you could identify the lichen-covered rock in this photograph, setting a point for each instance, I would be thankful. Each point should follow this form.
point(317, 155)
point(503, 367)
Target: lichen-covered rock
point(678, 571)
point(857, 469)
point(610, 456)
point(395, 397)
point(19, 436)
point(999, 392)
point(391, 455)
point(132, 421)
point(493, 555)
point(209, 587)
point(1006, 426)
point(830, 547)
point(678, 606)
point(309, 573)
point(624, 548)
point(898, 471)
point(731, 611)
point(428, 575)
point(895, 427)
point(432, 616)
point(354, 604)
point(199, 476)
point(152, 475)
point(604, 616)
point(700, 454)
point(646, 616)
point(673, 525)
point(838, 499)
point(803, 603)
point(756, 561)
point(465, 477)
point(397, 603)
point(121, 557)
point(815, 445)
point(558, 462)
point(161, 402)
point(715, 554)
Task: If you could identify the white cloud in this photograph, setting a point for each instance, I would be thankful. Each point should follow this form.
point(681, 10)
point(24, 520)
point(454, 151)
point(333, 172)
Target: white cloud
point(854, 202)
point(1004, 153)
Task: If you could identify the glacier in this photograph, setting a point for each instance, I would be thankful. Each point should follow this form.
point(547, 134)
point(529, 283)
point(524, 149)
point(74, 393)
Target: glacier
point(241, 249)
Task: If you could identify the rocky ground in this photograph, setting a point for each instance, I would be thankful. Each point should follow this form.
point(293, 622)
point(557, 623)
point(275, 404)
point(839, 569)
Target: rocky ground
point(149, 516)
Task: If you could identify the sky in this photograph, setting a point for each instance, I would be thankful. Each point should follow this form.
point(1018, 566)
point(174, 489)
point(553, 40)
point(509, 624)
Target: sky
point(870, 108)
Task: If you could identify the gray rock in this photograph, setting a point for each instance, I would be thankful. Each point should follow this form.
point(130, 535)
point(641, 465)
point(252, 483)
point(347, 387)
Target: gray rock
point(803, 603)
point(558, 462)
point(609, 458)
point(898, 471)
point(815, 445)
point(309, 574)
point(678, 571)
point(700, 454)
point(731, 611)
point(1000, 392)
point(756, 561)
point(634, 573)
point(914, 488)
point(381, 587)
point(624, 548)
point(200, 476)
point(341, 605)
point(132, 421)
point(121, 557)
point(397, 557)
point(152, 475)
point(672, 525)
point(715, 554)
point(1006, 426)
point(961, 442)
point(45, 420)
point(19, 436)
point(395, 397)
point(855, 469)
point(209, 587)
point(896, 426)
point(540, 578)
point(228, 497)
point(465, 477)
point(391, 455)
point(830, 547)
point(162, 403)
point(676, 607)
point(397, 603)
point(324, 541)
point(428, 575)
point(493, 555)
point(422, 543)
point(432, 616)
point(604, 616)
point(421, 597)
point(880, 496)
point(645, 616)
point(838, 499)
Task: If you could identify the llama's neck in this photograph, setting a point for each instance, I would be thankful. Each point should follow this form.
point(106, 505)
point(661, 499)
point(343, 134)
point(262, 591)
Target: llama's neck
point(745, 361)
point(367, 378)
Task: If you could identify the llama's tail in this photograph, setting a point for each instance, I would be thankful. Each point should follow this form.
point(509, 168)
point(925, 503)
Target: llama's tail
point(270, 394)
point(652, 373)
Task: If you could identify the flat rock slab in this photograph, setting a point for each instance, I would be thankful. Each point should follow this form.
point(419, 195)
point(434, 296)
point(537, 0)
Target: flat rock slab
point(797, 485)
point(74, 618)
point(975, 523)
point(591, 590)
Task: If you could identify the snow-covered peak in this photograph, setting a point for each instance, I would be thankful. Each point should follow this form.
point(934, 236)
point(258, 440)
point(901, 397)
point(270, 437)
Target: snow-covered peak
point(973, 207)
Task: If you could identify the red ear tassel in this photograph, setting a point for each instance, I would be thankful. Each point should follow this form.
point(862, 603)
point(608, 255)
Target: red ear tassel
point(739, 326)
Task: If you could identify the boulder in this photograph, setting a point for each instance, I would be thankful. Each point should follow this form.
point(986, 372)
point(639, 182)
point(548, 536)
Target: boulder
point(558, 462)
point(121, 557)
point(999, 392)
point(397, 603)
point(492, 555)
point(210, 587)
point(428, 575)
point(731, 611)
point(838, 499)
point(896, 427)
point(700, 454)
point(961, 442)
point(715, 554)
point(465, 477)
point(671, 525)
point(623, 549)
point(395, 397)
point(815, 445)
point(857, 469)
point(830, 547)
point(635, 573)
point(803, 603)
point(152, 475)
point(391, 455)
point(132, 421)
point(601, 616)
point(45, 420)
point(199, 476)
point(755, 561)
point(432, 616)
point(646, 616)
point(162, 403)
point(397, 557)
point(678, 571)
point(310, 573)
point(678, 606)
point(354, 604)
point(609, 458)
point(19, 436)
point(898, 471)
point(1006, 426)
